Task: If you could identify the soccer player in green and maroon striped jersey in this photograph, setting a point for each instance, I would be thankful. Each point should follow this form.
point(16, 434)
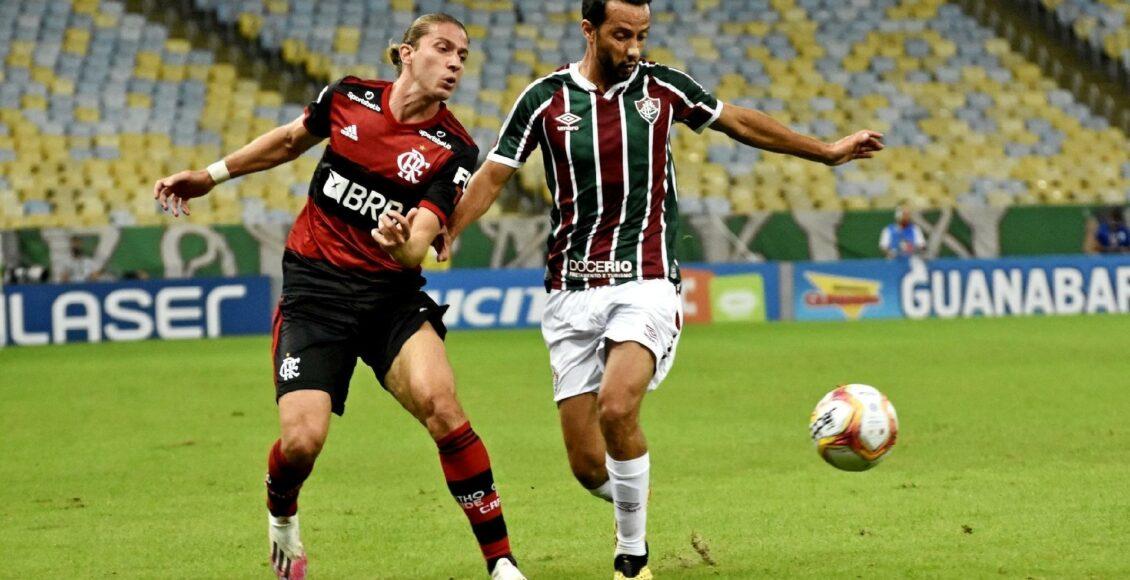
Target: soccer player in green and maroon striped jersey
point(614, 313)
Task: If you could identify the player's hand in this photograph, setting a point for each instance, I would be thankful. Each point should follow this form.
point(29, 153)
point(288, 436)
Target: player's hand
point(175, 190)
point(859, 145)
point(442, 245)
point(394, 230)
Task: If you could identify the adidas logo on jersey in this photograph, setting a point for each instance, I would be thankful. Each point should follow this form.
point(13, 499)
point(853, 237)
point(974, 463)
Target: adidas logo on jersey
point(350, 131)
point(356, 197)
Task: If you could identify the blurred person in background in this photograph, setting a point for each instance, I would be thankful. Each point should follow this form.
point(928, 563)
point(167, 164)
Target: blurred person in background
point(1107, 234)
point(81, 267)
point(902, 238)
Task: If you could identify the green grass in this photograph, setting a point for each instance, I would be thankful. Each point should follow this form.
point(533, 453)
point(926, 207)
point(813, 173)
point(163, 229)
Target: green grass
point(147, 459)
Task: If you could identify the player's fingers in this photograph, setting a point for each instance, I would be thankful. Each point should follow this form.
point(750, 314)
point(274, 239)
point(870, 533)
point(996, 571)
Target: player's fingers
point(401, 222)
point(392, 230)
point(387, 226)
point(185, 208)
point(163, 196)
point(864, 155)
point(412, 214)
point(157, 187)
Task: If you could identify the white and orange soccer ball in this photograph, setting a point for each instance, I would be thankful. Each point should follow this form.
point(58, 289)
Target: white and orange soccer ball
point(853, 427)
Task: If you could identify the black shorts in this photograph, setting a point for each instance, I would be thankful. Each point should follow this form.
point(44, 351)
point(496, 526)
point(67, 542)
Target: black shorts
point(317, 340)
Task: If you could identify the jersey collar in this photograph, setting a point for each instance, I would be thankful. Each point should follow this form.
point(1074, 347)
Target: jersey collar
point(580, 80)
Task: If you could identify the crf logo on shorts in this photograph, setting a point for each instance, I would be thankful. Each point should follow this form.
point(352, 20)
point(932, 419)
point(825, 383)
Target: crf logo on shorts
point(289, 368)
point(358, 198)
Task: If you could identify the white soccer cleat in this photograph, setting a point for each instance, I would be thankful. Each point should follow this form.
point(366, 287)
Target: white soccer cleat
point(288, 558)
point(504, 569)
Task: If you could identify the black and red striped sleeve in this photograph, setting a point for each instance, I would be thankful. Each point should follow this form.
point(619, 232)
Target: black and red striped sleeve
point(317, 115)
point(447, 187)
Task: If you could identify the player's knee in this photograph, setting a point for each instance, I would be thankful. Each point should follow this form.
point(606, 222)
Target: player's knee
point(302, 445)
point(442, 413)
point(615, 412)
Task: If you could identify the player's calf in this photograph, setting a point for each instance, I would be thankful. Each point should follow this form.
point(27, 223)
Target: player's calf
point(466, 467)
point(588, 468)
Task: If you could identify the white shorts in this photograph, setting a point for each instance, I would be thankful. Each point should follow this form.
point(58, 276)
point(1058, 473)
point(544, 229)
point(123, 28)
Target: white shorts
point(577, 323)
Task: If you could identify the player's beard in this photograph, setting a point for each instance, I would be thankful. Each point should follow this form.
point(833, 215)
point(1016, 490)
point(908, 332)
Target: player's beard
point(613, 70)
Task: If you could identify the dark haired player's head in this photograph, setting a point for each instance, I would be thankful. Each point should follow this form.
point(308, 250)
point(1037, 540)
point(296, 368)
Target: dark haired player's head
point(432, 53)
point(616, 31)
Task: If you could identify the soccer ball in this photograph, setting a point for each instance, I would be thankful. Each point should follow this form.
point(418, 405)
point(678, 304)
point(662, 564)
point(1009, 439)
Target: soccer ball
point(853, 427)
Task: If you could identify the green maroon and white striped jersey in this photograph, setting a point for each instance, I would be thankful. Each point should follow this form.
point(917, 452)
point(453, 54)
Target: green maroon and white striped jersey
point(608, 163)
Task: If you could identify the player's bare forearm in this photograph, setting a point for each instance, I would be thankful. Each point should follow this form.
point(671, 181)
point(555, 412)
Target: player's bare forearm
point(757, 129)
point(481, 192)
point(273, 148)
point(408, 238)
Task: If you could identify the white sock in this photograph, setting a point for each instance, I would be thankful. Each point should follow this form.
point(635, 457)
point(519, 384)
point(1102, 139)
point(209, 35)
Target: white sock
point(604, 491)
point(630, 485)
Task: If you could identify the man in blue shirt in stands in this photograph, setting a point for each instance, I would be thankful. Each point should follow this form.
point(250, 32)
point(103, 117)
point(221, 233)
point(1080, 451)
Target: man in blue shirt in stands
point(902, 239)
point(1111, 236)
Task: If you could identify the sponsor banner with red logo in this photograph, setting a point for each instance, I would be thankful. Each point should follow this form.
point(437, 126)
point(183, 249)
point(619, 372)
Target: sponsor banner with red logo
point(955, 288)
point(847, 290)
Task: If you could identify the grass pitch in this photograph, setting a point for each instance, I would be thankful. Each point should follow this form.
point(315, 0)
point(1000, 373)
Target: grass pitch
point(147, 459)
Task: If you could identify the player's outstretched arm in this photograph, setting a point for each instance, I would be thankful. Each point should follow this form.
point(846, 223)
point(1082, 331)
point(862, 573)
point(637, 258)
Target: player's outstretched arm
point(482, 190)
point(273, 148)
point(757, 129)
point(407, 238)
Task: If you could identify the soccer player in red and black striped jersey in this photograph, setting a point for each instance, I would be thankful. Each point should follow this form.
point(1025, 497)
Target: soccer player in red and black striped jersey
point(614, 314)
point(396, 161)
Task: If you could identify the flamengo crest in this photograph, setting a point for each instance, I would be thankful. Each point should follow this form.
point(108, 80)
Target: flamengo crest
point(289, 368)
point(412, 164)
point(648, 108)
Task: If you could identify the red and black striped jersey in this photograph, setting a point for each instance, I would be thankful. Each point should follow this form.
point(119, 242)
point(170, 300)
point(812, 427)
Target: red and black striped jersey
point(372, 164)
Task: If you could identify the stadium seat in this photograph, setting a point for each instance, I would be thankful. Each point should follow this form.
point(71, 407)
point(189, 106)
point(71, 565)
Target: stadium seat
point(967, 120)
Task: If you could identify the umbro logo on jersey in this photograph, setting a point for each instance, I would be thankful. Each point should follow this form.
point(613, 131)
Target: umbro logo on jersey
point(568, 122)
point(350, 131)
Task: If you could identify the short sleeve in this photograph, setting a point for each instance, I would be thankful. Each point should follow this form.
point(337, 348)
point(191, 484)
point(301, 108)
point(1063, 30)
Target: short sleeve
point(317, 115)
point(692, 105)
point(518, 138)
point(447, 187)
